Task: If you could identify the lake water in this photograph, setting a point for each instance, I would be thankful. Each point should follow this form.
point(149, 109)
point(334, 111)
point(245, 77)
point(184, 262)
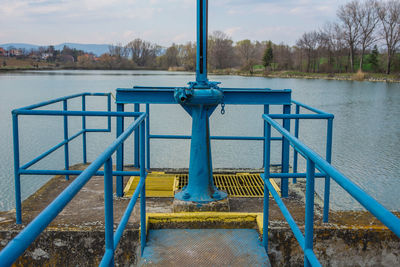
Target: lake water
point(366, 133)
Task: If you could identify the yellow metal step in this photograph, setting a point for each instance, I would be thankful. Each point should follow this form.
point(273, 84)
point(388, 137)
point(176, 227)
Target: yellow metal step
point(158, 184)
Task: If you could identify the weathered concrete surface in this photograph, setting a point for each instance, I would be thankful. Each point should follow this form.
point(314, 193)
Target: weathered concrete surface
point(189, 206)
point(76, 236)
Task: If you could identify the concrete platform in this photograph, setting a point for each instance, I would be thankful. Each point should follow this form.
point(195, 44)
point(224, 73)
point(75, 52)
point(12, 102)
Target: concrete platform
point(204, 247)
point(76, 236)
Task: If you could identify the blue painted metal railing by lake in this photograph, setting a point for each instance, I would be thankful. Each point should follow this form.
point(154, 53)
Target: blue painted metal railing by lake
point(18, 245)
point(313, 161)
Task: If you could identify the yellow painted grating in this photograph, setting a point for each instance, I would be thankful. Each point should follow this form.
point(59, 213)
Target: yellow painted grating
point(160, 184)
point(236, 185)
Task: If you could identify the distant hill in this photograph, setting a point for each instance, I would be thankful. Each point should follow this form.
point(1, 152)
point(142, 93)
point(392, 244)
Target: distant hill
point(97, 49)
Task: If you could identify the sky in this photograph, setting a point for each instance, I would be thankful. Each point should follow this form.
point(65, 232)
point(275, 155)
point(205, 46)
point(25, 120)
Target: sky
point(45, 22)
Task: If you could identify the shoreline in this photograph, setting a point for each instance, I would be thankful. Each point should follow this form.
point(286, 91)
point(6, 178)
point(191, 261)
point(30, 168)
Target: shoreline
point(367, 77)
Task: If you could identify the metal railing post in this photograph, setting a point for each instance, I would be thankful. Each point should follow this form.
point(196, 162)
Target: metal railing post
point(84, 152)
point(17, 176)
point(309, 220)
point(66, 149)
point(120, 152)
point(143, 192)
point(296, 134)
point(109, 109)
point(267, 163)
point(108, 207)
point(285, 154)
point(328, 156)
point(266, 111)
point(148, 136)
point(136, 137)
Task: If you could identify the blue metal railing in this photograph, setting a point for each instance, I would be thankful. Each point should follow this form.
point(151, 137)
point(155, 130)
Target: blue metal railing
point(18, 245)
point(33, 110)
point(314, 161)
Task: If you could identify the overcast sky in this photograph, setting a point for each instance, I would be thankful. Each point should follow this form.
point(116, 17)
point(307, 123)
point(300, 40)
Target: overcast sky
point(45, 22)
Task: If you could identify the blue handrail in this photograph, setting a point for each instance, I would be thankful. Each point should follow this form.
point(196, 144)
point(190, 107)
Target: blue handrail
point(21, 242)
point(314, 161)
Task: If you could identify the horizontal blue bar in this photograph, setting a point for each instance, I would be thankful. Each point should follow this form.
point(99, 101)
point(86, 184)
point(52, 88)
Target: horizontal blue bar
point(53, 101)
point(97, 130)
point(379, 211)
point(77, 113)
point(310, 108)
point(125, 218)
point(295, 175)
point(51, 150)
point(21, 242)
point(301, 116)
point(164, 136)
point(159, 95)
point(75, 172)
point(45, 103)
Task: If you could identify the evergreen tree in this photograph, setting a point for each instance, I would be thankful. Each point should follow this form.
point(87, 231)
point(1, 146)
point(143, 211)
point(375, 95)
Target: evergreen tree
point(268, 55)
point(373, 59)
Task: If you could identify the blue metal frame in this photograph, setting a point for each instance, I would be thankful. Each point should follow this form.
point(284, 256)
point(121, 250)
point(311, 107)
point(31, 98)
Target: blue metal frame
point(33, 110)
point(21, 242)
point(315, 161)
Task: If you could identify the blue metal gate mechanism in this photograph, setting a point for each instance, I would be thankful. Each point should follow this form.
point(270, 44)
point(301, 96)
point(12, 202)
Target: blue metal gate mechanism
point(199, 99)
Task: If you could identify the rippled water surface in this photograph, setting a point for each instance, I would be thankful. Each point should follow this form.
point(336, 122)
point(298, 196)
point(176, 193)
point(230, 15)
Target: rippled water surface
point(366, 134)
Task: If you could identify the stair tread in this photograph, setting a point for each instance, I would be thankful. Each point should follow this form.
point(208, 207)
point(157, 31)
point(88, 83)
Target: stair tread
point(204, 247)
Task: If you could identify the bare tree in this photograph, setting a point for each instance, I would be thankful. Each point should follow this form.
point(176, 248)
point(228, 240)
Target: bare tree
point(221, 54)
point(332, 38)
point(187, 56)
point(247, 54)
point(368, 19)
point(143, 53)
point(171, 55)
point(348, 15)
point(118, 50)
point(389, 16)
point(309, 43)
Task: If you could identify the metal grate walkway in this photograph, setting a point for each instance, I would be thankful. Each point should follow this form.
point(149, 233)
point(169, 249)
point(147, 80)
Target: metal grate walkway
point(204, 247)
point(159, 184)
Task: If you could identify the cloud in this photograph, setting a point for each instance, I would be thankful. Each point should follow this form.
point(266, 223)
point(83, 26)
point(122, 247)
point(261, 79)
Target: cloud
point(162, 21)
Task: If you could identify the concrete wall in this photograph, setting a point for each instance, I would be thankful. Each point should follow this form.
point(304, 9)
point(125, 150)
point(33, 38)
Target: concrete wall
point(334, 247)
point(73, 248)
point(337, 247)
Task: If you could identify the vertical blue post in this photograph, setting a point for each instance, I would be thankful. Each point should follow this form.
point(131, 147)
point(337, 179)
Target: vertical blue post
point(296, 134)
point(285, 154)
point(266, 111)
point(136, 148)
point(109, 109)
point(148, 136)
point(17, 176)
point(202, 35)
point(66, 150)
point(143, 192)
point(327, 178)
point(108, 207)
point(120, 152)
point(267, 163)
point(309, 221)
point(84, 131)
